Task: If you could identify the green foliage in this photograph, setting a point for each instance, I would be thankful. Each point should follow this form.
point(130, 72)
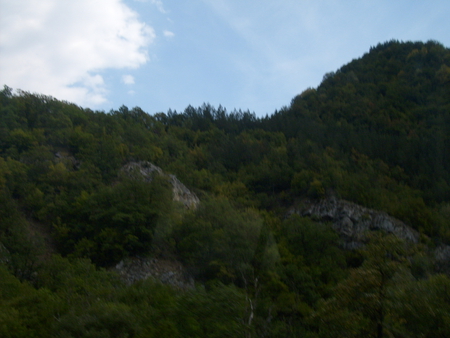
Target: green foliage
point(115, 222)
point(218, 312)
point(100, 320)
point(25, 311)
point(311, 259)
point(424, 307)
point(19, 247)
point(219, 241)
point(364, 303)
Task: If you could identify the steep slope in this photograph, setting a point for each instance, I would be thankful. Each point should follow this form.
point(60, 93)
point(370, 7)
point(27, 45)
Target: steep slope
point(391, 104)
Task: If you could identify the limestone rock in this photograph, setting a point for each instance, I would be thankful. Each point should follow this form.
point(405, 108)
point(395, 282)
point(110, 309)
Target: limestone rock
point(142, 170)
point(183, 194)
point(146, 171)
point(442, 259)
point(5, 255)
point(352, 221)
point(168, 272)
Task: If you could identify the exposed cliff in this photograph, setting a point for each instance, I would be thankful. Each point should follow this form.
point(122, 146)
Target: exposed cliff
point(168, 272)
point(352, 221)
point(146, 171)
point(442, 259)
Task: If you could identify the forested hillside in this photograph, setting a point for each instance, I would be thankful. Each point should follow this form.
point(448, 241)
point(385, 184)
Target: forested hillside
point(375, 133)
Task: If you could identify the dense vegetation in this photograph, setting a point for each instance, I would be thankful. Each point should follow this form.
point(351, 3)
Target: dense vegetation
point(376, 132)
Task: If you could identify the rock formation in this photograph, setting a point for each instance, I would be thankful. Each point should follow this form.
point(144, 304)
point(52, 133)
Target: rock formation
point(352, 221)
point(168, 272)
point(146, 171)
point(137, 268)
point(442, 259)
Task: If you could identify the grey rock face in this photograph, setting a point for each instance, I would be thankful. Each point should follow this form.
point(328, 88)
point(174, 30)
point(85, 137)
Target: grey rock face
point(168, 272)
point(352, 221)
point(5, 256)
point(146, 171)
point(183, 194)
point(442, 259)
point(142, 170)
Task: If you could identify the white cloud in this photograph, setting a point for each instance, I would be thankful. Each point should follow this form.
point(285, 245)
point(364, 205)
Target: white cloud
point(59, 48)
point(169, 34)
point(158, 3)
point(128, 79)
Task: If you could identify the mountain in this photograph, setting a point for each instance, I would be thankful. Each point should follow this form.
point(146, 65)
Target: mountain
point(264, 219)
point(391, 104)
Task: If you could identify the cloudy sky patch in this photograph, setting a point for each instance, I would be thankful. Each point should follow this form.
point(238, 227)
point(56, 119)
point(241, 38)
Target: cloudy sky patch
point(128, 79)
point(168, 34)
point(60, 48)
point(238, 54)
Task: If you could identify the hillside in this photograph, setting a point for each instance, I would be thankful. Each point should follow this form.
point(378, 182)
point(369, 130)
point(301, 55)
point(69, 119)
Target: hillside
point(267, 217)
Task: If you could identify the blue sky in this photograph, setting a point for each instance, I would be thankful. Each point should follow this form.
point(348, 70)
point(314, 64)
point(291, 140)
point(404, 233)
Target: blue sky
point(161, 54)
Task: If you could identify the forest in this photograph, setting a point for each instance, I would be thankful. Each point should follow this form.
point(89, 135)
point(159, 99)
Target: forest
point(375, 133)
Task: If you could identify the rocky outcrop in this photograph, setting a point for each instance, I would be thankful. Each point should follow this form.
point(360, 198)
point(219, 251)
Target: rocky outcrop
point(442, 259)
point(5, 256)
point(67, 160)
point(142, 169)
point(183, 194)
point(147, 171)
point(352, 221)
point(168, 272)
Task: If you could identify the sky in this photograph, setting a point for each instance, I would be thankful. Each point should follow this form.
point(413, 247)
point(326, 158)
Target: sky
point(169, 54)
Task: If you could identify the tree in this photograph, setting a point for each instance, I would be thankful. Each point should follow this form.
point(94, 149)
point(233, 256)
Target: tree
point(364, 303)
point(423, 307)
point(115, 221)
point(218, 240)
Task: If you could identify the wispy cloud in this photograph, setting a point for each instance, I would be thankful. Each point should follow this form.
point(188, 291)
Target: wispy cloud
point(168, 34)
point(158, 3)
point(128, 79)
point(60, 48)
